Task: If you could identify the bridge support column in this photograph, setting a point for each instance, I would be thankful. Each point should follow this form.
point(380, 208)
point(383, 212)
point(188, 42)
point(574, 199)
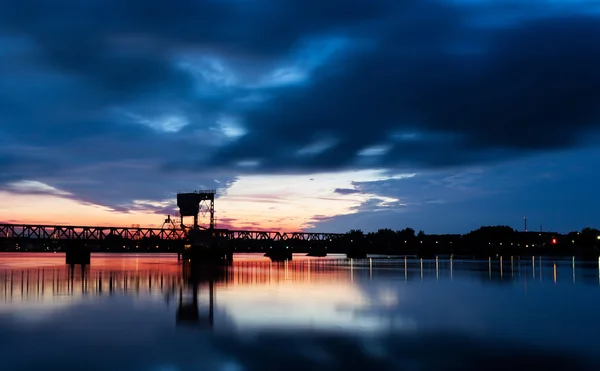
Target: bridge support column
point(280, 251)
point(78, 254)
point(356, 251)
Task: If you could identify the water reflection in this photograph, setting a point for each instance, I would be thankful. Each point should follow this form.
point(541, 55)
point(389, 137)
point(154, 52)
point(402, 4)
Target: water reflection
point(125, 276)
point(376, 313)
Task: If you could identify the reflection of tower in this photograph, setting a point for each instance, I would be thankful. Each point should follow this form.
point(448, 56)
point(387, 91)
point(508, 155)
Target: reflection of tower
point(196, 202)
point(195, 277)
point(189, 312)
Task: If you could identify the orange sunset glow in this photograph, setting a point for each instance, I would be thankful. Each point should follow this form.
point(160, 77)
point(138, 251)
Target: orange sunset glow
point(278, 202)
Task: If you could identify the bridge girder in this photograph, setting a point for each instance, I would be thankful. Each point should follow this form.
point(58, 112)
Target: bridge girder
point(90, 233)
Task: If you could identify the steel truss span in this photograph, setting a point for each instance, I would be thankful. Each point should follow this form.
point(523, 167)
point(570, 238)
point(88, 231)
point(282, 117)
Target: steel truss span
point(61, 232)
point(282, 236)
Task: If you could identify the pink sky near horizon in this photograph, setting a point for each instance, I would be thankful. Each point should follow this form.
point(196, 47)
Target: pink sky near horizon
point(275, 202)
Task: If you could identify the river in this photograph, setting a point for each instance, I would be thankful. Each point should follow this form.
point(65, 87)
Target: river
point(151, 312)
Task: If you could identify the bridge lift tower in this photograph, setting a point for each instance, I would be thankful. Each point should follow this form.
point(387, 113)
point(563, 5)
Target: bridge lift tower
point(196, 202)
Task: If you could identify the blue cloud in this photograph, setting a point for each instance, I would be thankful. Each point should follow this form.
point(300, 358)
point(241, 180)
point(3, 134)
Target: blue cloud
point(555, 191)
point(178, 94)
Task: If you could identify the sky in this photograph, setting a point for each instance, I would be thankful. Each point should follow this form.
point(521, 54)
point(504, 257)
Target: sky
point(440, 115)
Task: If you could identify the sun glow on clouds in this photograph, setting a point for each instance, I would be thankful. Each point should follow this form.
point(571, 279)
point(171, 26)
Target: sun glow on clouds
point(152, 203)
point(276, 202)
point(35, 187)
point(57, 210)
point(294, 202)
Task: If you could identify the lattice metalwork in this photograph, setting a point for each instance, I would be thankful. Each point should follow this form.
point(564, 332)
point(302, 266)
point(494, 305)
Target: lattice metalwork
point(195, 203)
point(168, 232)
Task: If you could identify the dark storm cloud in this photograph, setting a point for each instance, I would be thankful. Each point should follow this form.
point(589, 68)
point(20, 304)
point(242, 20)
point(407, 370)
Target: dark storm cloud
point(88, 89)
point(18, 161)
point(503, 92)
point(84, 36)
point(72, 70)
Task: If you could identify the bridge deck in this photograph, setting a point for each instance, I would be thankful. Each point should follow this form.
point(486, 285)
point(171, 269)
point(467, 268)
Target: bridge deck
point(62, 232)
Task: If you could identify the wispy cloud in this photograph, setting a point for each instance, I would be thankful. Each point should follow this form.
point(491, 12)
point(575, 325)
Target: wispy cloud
point(35, 188)
point(137, 105)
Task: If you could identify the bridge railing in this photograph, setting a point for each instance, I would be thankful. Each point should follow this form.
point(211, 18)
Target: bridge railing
point(56, 232)
point(48, 232)
point(198, 191)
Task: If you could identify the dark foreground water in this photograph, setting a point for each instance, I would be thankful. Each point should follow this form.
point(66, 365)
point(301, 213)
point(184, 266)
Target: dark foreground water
point(129, 312)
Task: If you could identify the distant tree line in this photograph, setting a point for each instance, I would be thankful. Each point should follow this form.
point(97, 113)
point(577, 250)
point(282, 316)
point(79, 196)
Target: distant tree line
point(485, 241)
point(482, 242)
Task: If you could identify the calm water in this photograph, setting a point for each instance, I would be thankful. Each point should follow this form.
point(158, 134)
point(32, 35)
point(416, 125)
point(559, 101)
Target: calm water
point(130, 312)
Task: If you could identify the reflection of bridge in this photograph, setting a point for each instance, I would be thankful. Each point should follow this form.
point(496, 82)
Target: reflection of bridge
point(192, 291)
point(24, 284)
point(96, 234)
point(179, 283)
point(60, 280)
point(35, 285)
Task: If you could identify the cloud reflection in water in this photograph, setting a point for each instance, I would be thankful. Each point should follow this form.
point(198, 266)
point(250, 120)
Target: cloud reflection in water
point(122, 314)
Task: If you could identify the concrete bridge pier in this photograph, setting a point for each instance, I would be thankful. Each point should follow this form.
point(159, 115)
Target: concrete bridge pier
point(78, 254)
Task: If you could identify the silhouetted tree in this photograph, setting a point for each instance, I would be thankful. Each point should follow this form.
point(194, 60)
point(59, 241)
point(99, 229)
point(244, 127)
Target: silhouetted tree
point(588, 237)
point(491, 234)
point(356, 234)
point(407, 234)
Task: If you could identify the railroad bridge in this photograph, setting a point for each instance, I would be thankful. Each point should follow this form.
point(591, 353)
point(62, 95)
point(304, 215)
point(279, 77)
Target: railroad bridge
point(91, 234)
point(78, 239)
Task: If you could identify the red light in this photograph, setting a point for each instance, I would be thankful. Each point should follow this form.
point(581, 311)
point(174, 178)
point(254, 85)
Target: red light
point(554, 241)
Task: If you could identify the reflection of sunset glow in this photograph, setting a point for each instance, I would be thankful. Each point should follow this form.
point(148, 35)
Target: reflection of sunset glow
point(295, 305)
point(388, 298)
point(41, 284)
point(256, 292)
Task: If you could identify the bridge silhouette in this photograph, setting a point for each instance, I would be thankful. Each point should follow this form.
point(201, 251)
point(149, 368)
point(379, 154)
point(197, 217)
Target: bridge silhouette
point(190, 203)
point(203, 244)
point(95, 233)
